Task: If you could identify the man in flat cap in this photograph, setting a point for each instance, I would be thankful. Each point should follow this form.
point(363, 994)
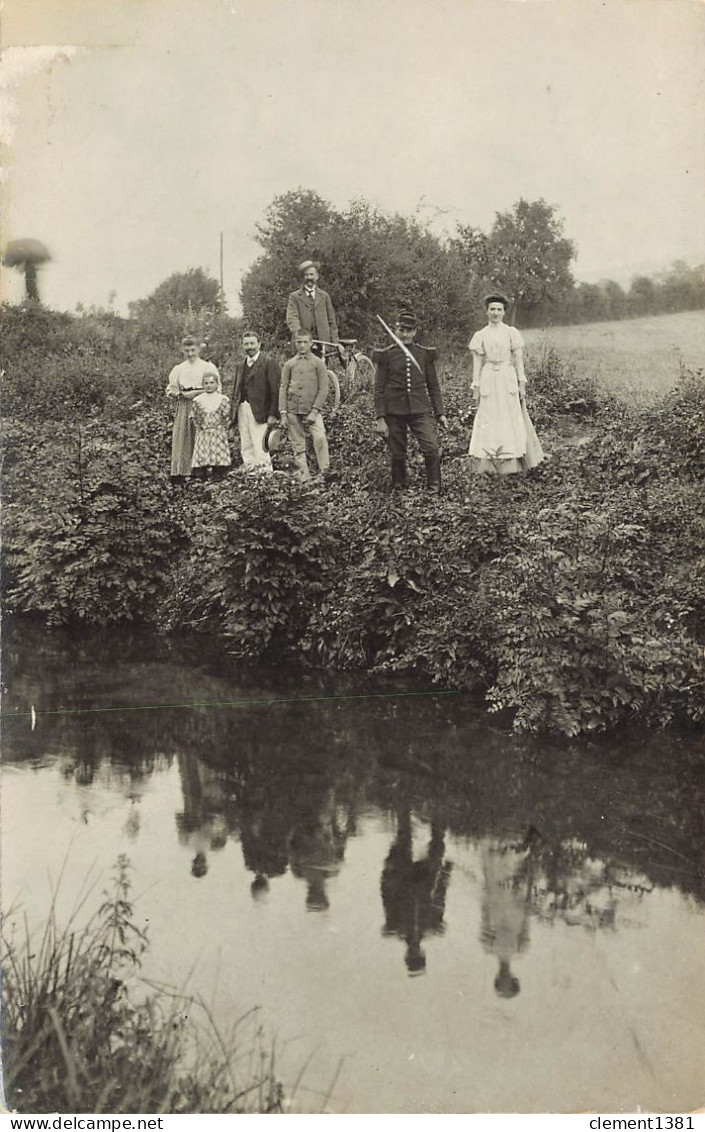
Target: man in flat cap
point(310, 308)
point(408, 396)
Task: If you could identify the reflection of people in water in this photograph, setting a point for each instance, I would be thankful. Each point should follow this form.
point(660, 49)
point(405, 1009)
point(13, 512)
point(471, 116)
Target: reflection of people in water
point(507, 869)
point(316, 848)
point(199, 865)
point(414, 892)
point(264, 829)
point(201, 825)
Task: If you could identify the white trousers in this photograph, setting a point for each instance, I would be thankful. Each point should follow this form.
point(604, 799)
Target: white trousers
point(251, 437)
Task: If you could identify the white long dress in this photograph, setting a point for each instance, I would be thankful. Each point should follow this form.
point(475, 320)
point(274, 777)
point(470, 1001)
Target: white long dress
point(503, 439)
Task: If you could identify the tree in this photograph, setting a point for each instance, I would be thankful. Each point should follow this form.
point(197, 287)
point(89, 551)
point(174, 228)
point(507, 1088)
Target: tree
point(643, 298)
point(614, 299)
point(293, 224)
point(293, 229)
point(27, 255)
point(183, 292)
point(590, 302)
point(526, 255)
point(370, 261)
point(682, 288)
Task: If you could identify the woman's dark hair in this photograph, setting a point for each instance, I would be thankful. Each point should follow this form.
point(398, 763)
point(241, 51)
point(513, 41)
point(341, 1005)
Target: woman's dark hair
point(496, 298)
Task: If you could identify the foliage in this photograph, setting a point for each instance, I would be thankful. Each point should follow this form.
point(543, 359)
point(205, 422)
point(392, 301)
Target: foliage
point(581, 642)
point(90, 531)
point(371, 262)
point(525, 254)
point(572, 597)
point(55, 366)
point(78, 1036)
point(681, 288)
point(259, 564)
point(183, 292)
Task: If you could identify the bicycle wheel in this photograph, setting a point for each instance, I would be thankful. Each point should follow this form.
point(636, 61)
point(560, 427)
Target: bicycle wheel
point(363, 375)
point(332, 403)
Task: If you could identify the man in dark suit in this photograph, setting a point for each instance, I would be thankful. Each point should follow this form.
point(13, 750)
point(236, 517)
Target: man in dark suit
point(408, 396)
point(310, 308)
point(255, 401)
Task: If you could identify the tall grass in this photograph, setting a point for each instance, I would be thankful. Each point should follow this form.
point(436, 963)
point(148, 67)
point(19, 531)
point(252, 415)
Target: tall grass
point(637, 359)
point(83, 1032)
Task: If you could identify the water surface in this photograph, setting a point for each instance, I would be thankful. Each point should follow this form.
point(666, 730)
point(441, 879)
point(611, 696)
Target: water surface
point(431, 914)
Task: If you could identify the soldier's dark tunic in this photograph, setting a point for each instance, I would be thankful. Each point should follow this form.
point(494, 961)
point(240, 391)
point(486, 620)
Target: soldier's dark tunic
point(409, 399)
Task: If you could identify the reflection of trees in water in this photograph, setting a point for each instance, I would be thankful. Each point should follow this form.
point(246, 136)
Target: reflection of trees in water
point(292, 805)
point(290, 779)
point(414, 890)
point(552, 882)
point(571, 885)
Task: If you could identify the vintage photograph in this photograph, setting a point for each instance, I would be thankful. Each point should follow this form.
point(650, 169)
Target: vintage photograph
point(352, 365)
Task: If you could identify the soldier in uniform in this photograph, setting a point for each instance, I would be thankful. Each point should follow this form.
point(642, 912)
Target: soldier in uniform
point(407, 397)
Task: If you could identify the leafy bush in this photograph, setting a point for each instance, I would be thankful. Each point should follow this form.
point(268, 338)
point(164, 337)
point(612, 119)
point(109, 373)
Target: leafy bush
point(58, 367)
point(572, 596)
point(89, 529)
point(579, 643)
point(260, 559)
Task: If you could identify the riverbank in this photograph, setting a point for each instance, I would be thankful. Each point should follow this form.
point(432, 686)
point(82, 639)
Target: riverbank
point(292, 833)
point(82, 1033)
point(572, 598)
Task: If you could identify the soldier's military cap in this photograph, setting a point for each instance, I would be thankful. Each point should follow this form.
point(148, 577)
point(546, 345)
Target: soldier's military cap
point(407, 320)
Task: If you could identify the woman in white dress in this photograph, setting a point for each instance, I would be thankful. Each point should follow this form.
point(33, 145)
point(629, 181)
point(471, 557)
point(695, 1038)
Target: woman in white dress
point(503, 439)
point(186, 383)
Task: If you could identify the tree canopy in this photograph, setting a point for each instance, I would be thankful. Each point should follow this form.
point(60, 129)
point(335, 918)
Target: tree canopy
point(183, 292)
point(525, 255)
point(372, 262)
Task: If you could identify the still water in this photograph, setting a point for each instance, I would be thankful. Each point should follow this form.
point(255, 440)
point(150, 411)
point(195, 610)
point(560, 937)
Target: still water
point(432, 915)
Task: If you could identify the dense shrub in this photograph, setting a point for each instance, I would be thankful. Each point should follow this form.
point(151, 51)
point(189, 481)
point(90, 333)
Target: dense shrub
point(59, 367)
point(260, 560)
point(572, 596)
point(90, 527)
point(580, 643)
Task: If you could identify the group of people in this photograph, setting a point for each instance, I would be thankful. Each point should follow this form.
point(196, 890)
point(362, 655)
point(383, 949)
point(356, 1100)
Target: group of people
point(407, 397)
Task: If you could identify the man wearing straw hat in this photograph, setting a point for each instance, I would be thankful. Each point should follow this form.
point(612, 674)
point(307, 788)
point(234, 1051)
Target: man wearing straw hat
point(310, 308)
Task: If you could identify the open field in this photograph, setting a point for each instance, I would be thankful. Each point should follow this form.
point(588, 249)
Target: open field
point(631, 356)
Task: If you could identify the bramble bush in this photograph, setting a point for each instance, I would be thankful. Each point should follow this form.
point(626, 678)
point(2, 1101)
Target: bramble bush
point(572, 597)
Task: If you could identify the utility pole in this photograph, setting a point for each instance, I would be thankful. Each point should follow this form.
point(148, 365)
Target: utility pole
point(222, 288)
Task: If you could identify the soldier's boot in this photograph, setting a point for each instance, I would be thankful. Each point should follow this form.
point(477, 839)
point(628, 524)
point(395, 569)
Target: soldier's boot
point(399, 480)
point(433, 472)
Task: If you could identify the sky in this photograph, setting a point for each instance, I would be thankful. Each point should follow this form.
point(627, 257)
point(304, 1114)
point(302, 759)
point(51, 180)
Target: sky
point(134, 133)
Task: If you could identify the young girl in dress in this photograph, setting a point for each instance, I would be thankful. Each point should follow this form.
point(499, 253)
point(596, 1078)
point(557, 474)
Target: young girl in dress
point(211, 416)
point(503, 439)
point(185, 383)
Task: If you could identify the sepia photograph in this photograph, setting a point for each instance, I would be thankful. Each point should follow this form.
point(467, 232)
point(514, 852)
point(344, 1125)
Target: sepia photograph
point(352, 378)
